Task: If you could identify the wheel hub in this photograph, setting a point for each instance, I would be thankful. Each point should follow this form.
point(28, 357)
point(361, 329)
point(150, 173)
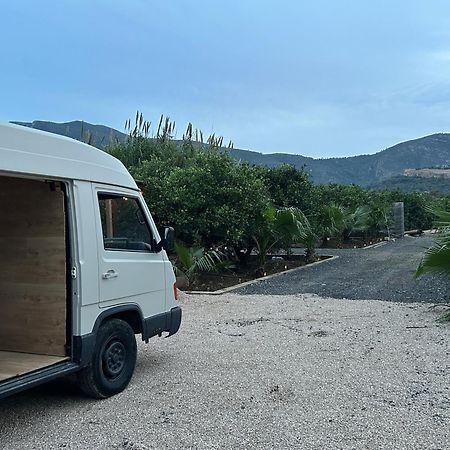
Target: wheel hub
point(114, 359)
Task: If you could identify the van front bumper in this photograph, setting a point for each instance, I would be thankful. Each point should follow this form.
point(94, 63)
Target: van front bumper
point(169, 321)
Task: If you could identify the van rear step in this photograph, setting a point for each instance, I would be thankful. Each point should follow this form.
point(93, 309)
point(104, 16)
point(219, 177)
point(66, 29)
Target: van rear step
point(26, 381)
point(13, 364)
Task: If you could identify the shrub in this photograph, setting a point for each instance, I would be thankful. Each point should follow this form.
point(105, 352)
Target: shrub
point(211, 201)
point(288, 187)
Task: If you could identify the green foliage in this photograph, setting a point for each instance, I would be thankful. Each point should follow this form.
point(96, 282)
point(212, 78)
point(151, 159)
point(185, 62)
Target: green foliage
point(379, 216)
point(288, 186)
point(333, 220)
point(445, 317)
point(417, 214)
point(380, 202)
point(192, 260)
point(264, 235)
point(287, 228)
point(307, 236)
point(207, 196)
point(343, 195)
point(281, 228)
point(437, 258)
point(342, 210)
point(210, 201)
point(338, 222)
point(360, 219)
point(139, 147)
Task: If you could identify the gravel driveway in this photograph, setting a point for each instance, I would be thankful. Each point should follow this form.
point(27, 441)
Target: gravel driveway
point(262, 372)
point(280, 370)
point(382, 273)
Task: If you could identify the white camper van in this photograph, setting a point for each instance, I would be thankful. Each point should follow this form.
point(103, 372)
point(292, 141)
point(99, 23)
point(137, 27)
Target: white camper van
point(82, 266)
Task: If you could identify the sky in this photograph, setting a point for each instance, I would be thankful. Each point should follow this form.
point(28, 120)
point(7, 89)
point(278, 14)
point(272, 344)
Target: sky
point(317, 78)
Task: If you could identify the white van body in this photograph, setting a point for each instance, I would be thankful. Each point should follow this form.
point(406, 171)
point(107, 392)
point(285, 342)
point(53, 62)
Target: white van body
point(114, 280)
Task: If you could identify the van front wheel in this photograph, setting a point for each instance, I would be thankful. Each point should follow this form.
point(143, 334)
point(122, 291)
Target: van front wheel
point(113, 360)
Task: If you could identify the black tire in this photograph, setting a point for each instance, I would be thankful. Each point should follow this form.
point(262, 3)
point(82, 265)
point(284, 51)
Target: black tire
point(113, 360)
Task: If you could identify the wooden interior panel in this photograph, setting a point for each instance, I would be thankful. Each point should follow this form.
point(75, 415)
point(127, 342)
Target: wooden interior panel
point(32, 268)
point(13, 364)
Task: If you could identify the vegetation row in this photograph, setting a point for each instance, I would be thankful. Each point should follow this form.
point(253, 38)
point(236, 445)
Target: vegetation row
point(224, 210)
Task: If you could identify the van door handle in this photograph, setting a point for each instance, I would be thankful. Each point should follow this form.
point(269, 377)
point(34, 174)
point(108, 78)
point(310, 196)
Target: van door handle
point(110, 274)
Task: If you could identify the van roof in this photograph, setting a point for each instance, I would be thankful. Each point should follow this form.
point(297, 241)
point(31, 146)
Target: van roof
point(29, 151)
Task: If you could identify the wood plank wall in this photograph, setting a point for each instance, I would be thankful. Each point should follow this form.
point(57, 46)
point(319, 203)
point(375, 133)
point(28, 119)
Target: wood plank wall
point(32, 267)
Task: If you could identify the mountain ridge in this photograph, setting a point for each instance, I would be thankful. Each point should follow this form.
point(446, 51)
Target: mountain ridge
point(427, 151)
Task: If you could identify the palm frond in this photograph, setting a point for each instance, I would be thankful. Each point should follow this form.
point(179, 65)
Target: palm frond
point(360, 218)
point(436, 259)
point(191, 260)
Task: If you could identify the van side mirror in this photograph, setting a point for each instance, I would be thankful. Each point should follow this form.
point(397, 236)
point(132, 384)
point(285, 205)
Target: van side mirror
point(169, 238)
point(168, 241)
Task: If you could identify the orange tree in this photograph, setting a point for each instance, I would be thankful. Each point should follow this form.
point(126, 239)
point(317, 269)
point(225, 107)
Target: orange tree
point(211, 199)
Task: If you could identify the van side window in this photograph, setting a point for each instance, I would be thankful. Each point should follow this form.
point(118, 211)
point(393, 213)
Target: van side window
point(124, 225)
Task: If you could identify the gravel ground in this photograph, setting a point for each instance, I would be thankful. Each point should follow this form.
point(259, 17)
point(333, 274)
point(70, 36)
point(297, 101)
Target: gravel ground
point(382, 273)
point(261, 372)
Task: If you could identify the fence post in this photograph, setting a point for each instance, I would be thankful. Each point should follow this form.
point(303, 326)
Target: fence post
point(398, 213)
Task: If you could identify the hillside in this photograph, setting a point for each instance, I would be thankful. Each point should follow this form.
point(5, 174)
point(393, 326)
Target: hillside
point(428, 173)
point(414, 184)
point(429, 151)
point(365, 170)
point(99, 135)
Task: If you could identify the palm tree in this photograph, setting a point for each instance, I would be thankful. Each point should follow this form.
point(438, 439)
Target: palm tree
point(192, 260)
point(339, 222)
point(306, 236)
point(282, 228)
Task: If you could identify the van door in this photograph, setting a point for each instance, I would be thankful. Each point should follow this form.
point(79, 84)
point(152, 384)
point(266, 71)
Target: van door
point(130, 270)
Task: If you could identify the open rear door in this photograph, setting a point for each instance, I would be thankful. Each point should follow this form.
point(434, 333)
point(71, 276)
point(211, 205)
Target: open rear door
point(33, 280)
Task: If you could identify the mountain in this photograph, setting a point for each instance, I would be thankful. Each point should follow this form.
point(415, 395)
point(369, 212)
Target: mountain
point(97, 135)
point(365, 170)
point(428, 151)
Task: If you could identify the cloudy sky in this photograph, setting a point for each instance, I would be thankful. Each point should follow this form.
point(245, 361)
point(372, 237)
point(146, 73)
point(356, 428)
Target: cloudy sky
point(318, 78)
